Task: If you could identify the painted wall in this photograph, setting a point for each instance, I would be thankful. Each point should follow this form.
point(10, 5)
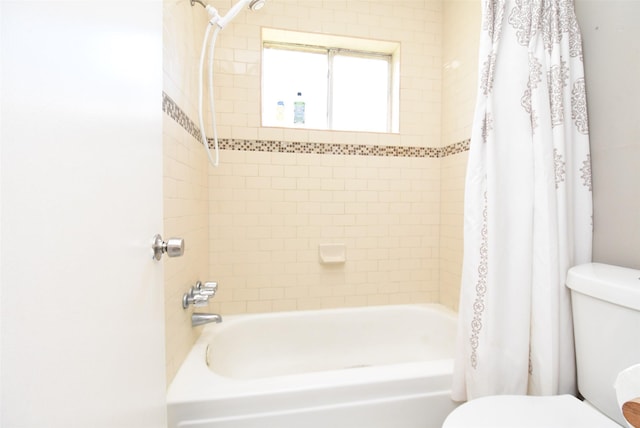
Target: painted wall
point(612, 65)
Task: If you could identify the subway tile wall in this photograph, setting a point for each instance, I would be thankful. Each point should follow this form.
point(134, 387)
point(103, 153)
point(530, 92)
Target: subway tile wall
point(416, 24)
point(185, 187)
point(461, 30)
point(185, 174)
point(269, 211)
point(254, 223)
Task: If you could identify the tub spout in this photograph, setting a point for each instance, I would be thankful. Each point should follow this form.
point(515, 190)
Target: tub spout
point(200, 319)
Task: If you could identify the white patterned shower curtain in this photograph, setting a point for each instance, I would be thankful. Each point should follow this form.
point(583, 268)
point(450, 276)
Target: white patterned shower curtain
point(528, 212)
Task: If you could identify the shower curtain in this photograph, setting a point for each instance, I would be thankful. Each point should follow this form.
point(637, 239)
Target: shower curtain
point(528, 213)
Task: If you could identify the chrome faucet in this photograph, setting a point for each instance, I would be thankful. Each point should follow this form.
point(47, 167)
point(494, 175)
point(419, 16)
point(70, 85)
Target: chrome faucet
point(201, 318)
point(198, 296)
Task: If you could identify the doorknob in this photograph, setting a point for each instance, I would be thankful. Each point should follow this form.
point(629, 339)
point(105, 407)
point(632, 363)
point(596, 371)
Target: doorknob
point(174, 247)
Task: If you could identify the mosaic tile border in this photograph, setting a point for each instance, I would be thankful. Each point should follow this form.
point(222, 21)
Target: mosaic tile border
point(341, 149)
point(176, 113)
point(171, 108)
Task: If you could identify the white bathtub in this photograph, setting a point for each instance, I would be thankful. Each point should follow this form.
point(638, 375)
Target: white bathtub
point(374, 367)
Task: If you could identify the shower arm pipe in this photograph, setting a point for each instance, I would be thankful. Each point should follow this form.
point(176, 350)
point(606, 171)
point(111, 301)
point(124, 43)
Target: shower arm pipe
point(203, 4)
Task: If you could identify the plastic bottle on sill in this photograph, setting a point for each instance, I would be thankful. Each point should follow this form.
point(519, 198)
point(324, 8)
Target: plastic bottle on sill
point(298, 110)
point(280, 113)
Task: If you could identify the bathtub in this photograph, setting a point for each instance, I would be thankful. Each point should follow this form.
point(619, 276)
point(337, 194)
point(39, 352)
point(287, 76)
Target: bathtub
point(373, 367)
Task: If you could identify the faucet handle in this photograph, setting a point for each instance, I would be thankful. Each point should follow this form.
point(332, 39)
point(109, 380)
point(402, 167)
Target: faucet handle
point(200, 301)
point(199, 294)
point(197, 300)
point(208, 288)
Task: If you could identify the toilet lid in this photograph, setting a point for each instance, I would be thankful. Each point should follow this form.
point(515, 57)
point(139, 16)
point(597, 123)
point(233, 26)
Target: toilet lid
point(511, 411)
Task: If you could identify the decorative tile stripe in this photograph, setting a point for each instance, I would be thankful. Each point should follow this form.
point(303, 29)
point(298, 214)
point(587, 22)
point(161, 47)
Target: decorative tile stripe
point(455, 148)
point(176, 113)
point(340, 149)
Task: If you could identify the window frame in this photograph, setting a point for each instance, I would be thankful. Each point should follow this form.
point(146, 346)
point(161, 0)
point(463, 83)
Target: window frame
point(345, 46)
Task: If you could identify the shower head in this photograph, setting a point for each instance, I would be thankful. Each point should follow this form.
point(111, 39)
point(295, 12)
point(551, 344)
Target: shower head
point(256, 4)
point(253, 5)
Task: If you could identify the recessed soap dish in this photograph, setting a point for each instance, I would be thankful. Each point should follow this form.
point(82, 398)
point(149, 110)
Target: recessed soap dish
point(332, 253)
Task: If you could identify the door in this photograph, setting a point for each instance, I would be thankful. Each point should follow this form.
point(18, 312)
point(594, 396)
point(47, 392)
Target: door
point(82, 331)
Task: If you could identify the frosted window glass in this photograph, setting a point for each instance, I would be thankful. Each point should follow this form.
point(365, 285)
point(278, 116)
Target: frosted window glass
point(360, 93)
point(341, 89)
point(287, 72)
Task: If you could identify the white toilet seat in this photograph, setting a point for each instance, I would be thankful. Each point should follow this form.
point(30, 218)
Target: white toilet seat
point(519, 411)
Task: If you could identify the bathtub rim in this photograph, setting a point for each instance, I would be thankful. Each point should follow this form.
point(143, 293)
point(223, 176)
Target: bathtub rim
point(195, 382)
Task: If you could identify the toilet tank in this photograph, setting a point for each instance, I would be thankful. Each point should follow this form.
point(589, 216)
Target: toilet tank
point(606, 317)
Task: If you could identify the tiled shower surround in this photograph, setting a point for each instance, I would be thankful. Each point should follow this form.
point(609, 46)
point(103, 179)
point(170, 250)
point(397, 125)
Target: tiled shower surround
point(254, 223)
point(272, 203)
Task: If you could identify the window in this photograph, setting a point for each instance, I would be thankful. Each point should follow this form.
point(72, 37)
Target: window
point(345, 84)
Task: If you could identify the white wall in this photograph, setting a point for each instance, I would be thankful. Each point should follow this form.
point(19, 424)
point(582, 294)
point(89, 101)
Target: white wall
point(1, 84)
point(611, 35)
point(82, 313)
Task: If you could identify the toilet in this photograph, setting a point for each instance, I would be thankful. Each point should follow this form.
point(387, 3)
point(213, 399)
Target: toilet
point(606, 315)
